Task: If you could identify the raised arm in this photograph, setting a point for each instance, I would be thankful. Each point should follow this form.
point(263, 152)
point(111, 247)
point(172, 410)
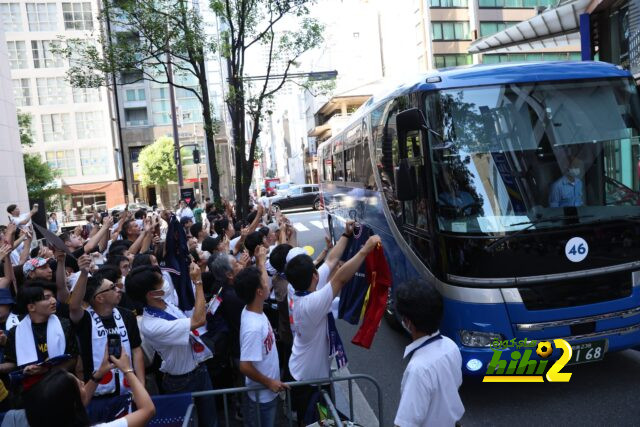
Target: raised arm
point(336, 253)
point(5, 281)
point(349, 268)
point(62, 293)
point(96, 238)
point(257, 219)
point(24, 255)
point(77, 296)
point(198, 318)
point(32, 212)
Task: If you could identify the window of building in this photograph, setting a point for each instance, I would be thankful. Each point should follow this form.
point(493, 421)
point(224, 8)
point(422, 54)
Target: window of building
point(525, 57)
point(43, 57)
point(136, 116)
point(86, 94)
point(450, 3)
point(51, 90)
point(10, 16)
point(135, 95)
point(56, 127)
point(515, 4)
point(133, 76)
point(22, 92)
point(42, 16)
point(63, 161)
point(93, 161)
point(88, 124)
point(77, 16)
point(451, 60)
point(17, 55)
point(450, 30)
point(490, 28)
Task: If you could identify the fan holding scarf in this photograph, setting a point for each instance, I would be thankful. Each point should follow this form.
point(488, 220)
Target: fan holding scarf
point(102, 319)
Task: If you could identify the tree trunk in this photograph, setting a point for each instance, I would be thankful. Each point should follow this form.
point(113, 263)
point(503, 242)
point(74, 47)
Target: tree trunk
point(214, 179)
point(236, 111)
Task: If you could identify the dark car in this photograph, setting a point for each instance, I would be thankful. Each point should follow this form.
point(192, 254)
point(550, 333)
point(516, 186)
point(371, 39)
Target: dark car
point(298, 196)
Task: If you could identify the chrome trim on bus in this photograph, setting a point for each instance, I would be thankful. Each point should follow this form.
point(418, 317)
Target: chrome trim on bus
point(568, 322)
point(511, 295)
point(546, 277)
point(619, 331)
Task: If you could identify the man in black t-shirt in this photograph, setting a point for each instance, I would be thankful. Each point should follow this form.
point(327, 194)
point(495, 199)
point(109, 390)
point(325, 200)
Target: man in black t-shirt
point(100, 322)
point(28, 342)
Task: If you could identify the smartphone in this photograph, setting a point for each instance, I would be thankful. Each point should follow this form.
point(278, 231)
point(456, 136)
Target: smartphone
point(115, 346)
point(104, 214)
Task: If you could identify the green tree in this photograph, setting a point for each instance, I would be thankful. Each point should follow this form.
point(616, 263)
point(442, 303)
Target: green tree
point(39, 175)
point(285, 31)
point(148, 36)
point(157, 163)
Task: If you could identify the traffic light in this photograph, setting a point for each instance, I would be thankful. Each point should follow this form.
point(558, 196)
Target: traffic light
point(196, 156)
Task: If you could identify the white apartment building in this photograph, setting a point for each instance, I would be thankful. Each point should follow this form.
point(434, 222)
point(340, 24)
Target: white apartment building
point(14, 185)
point(72, 128)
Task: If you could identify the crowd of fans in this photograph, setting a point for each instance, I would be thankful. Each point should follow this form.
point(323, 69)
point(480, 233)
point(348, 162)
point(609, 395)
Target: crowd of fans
point(138, 303)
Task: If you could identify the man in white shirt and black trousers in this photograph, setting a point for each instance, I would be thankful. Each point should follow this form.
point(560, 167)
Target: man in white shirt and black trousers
point(310, 355)
point(429, 389)
point(174, 336)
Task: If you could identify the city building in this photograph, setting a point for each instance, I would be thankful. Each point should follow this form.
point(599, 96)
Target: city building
point(14, 185)
point(72, 127)
point(145, 115)
point(446, 29)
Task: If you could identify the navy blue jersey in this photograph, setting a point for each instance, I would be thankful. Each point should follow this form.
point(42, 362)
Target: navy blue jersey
point(354, 292)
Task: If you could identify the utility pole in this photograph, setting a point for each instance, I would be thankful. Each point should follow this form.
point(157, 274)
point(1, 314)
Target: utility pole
point(174, 123)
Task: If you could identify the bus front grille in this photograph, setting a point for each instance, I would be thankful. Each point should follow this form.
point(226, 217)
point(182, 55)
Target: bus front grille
point(571, 293)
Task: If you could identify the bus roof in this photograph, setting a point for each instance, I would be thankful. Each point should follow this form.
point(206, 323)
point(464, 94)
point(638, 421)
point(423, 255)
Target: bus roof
point(495, 74)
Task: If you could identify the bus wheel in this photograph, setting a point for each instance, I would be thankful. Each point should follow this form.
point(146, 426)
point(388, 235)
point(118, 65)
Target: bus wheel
point(275, 208)
point(316, 205)
point(390, 314)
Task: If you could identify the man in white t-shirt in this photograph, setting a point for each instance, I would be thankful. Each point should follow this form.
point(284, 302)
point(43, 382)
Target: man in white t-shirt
point(429, 389)
point(310, 358)
point(185, 211)
point(22, 221)
point(258, 353)
point(174, 336)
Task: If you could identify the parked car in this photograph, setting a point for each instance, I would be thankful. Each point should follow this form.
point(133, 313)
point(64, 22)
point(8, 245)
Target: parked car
point(298, 196)
point(132, 207)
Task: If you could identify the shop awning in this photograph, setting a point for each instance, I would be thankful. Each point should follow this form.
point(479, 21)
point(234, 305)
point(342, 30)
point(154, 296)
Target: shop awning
point(552, 28)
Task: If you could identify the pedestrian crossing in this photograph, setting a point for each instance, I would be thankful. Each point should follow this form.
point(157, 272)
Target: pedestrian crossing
point(308, 225)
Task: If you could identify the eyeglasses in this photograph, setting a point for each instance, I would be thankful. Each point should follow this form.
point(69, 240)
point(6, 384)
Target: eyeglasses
point(111, 287)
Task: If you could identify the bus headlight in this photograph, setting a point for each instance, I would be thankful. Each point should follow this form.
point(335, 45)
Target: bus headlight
point(479, 339)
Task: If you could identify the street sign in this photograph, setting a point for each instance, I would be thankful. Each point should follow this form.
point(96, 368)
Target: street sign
point(189, 196)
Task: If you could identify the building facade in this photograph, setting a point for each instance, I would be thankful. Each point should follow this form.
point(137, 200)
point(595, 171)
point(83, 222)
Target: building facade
point(445, 29)
point(14, 186)
point(72, 127)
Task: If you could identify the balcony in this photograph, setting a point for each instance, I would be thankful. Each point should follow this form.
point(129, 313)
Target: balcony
point(133, 123)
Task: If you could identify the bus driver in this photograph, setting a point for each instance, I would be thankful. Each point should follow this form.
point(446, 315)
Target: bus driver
point(567, 191)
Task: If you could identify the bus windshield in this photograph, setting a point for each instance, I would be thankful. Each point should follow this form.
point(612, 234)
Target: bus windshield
point(511, 155)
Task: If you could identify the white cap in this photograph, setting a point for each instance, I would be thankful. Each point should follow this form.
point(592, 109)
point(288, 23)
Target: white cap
point(294, 252)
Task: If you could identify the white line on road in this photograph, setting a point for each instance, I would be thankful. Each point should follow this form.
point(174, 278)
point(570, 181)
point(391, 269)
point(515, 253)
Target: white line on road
point(300, 227)
point(317, 224)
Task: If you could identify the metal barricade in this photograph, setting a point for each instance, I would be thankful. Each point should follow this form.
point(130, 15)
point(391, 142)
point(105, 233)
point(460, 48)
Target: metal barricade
point(225, 393)
point(190, 417)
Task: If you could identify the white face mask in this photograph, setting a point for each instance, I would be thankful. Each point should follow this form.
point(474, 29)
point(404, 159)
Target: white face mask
point(574, 172)
point(159, 294)
point(405, 326)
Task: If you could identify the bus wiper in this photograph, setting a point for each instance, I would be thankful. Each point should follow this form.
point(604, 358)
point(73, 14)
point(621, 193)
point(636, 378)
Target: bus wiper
point(628, 218)
point(489, 247)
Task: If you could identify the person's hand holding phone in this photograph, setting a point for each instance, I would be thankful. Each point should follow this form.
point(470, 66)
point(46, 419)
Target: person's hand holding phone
point(121, 362)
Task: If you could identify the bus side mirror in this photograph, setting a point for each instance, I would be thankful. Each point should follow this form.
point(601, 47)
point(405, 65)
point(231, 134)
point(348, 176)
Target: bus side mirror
point(406, 181)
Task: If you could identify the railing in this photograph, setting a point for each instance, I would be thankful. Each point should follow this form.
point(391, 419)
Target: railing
point(190, 419)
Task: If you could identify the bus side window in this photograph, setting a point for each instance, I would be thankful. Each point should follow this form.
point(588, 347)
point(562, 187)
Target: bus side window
point(338, 167)
point(349, 161)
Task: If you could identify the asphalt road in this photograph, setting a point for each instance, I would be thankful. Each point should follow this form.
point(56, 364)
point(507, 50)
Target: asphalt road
point(598, 394)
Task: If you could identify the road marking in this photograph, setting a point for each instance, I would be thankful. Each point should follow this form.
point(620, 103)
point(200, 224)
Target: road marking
point(317, 224)
point(300, 227)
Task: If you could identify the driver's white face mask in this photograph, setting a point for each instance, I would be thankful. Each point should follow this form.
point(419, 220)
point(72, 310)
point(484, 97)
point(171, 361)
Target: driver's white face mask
point(574, 172)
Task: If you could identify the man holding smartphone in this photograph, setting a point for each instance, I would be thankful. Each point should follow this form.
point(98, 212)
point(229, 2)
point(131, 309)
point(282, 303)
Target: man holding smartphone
point(22, 221)
point(104, 324)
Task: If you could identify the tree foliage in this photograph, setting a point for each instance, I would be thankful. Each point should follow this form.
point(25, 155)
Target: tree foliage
point(157, 163)
point(142, 38)
point(285, 31)
point(39, 175)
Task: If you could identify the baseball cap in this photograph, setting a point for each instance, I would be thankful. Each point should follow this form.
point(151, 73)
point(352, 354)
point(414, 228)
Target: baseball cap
point(294, 252)
point(32, 264)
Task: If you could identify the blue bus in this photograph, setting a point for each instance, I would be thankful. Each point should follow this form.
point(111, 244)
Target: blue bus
point(514, 189)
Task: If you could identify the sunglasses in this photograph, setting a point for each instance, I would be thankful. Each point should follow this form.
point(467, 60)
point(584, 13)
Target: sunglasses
point(111, 287)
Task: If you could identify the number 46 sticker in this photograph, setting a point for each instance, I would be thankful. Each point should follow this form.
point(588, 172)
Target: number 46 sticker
point(576, 249)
